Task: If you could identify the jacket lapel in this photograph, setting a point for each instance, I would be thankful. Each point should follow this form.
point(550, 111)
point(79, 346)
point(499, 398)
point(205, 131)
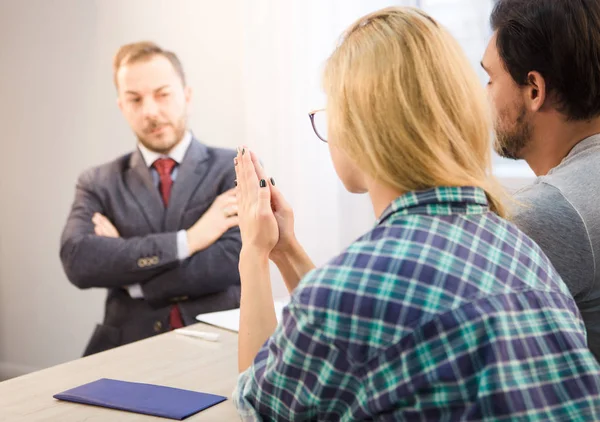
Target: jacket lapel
point(191, 172)
point(139, 181)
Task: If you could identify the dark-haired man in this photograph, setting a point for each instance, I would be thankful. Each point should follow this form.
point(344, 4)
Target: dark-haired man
point(544, 67)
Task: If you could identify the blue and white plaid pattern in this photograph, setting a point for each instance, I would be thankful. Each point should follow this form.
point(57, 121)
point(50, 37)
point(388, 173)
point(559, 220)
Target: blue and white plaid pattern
point(442, 312)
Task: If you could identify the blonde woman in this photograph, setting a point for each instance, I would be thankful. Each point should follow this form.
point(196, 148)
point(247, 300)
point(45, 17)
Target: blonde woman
point(443, 311)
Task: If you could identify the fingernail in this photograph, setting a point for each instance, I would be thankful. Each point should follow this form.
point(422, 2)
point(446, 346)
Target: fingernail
point(235, 182)
point(263, 184)
point(235, 161)
point(272, 181)
point(243, 151)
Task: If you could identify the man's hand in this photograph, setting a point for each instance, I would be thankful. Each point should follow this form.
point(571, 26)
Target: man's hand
point(103, 226)
point(220, 217)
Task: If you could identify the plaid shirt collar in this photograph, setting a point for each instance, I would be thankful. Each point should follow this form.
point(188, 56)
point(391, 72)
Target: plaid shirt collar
point(439, 201)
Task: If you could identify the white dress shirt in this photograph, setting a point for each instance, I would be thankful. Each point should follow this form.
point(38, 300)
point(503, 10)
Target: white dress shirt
point(177, 154)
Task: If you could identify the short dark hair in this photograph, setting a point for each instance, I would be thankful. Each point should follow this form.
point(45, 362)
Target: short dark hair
point(144, 50)
point(560, 39)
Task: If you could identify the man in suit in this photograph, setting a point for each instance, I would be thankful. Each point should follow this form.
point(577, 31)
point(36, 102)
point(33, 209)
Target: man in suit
point(156, 227)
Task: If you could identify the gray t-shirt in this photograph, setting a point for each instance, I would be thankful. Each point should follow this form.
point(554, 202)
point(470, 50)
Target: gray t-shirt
point(561, 212)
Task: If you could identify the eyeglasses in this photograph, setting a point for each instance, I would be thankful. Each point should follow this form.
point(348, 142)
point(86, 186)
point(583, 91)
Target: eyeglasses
point(318, 119)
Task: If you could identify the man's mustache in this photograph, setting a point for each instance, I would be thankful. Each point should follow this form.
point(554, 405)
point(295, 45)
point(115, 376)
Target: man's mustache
point(153, 125)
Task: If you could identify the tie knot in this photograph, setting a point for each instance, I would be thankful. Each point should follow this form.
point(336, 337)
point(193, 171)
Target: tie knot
point(164, 166)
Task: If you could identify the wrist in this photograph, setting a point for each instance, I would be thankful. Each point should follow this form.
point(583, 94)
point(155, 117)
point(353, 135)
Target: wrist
point(253, 255)
point(286, 251)
point(191, 242)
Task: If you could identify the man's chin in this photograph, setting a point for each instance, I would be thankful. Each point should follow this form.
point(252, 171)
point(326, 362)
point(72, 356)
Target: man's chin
point(160, 146)
point(508, 147)
point(505, 152)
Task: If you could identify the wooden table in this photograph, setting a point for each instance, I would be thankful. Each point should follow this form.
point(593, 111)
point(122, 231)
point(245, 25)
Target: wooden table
point(169, 359)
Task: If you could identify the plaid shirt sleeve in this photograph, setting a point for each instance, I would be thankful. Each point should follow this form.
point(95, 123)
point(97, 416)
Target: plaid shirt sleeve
point(296, 369)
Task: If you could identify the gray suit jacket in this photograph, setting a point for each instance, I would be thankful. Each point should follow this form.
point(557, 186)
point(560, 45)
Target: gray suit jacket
point(146, 252)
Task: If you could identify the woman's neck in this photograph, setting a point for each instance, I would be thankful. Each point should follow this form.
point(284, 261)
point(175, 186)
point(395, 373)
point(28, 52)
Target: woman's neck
point(381, 196)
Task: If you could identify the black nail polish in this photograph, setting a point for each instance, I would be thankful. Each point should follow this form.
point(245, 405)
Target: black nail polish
point(263, 184)
point(243, 151)
point(272, 181)
point(235, 182)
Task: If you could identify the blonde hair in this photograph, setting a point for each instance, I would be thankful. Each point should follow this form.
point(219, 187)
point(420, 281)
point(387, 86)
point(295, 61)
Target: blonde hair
point(404, 103)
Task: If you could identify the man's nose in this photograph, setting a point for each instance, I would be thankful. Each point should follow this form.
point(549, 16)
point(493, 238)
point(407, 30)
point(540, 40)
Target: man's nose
point(150, 108)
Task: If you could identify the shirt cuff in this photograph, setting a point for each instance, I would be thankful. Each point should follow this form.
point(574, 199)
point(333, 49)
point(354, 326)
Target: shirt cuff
point(183, 251)
point(135, 291)
point(242, 390)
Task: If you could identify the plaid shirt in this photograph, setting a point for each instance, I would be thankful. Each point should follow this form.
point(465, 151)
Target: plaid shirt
point(442, 312)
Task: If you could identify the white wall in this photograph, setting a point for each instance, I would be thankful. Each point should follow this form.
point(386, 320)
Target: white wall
point(58, 116)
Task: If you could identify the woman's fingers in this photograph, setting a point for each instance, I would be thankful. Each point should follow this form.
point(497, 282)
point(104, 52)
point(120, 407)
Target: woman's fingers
point(277, 198)
point(238, 176)
point(258, 168)
point(249, 179)
point(264, 193)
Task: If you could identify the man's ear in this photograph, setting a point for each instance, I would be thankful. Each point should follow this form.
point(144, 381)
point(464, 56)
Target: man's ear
point(187, 91)
point(535, 93)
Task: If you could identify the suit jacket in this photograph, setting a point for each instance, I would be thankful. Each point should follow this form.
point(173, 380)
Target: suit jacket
point(146, 252)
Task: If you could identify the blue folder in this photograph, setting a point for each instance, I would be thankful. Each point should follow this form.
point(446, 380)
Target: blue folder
point(155, 400)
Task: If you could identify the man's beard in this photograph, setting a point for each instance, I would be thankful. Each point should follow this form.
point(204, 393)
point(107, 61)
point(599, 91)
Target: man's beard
point(163, 146)
point(510, 143)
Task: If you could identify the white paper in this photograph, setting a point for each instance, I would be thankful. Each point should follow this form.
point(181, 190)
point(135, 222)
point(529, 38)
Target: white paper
point(230, 320)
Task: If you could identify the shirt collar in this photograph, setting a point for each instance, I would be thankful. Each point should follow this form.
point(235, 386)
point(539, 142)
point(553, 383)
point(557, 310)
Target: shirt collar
point(439, 201)
point(177, 153)
point(584, 145)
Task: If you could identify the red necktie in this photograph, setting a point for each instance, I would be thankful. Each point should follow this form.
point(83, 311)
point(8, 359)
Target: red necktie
point(164, 167)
